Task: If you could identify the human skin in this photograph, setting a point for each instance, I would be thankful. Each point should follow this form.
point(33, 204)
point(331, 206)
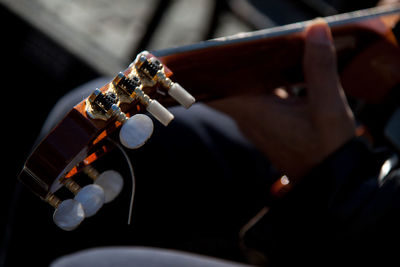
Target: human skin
point(298, 133)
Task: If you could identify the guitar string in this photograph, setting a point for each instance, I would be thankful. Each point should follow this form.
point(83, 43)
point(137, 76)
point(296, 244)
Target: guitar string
point(132, 174)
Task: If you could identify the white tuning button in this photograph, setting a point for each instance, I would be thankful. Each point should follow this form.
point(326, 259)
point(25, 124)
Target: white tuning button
point(159, 112)
point(178, 93)
point(112, 184)
point(68, 214)
point(92, 198)
point(136, 131)
point(110, 181)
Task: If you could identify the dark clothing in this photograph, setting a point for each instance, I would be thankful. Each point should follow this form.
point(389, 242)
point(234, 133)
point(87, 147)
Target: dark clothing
point(338, 215)
point(139, 257)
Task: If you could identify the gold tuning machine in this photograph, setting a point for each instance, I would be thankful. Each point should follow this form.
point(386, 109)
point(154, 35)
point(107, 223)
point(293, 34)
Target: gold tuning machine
point(133, 88)
point(154, 69)
point(103, 106)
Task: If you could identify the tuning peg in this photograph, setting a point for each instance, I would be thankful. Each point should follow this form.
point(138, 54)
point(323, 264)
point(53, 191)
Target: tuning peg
point(111, 182)
point(136, 131)
point(154, 69)
point(90, 196)
point(132, 89)
point(102, 105)
point(159, 112)
point(177, 92)
point(68, 214)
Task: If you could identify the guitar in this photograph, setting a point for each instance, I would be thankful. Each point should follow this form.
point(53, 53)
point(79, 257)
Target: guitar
point(368, 54)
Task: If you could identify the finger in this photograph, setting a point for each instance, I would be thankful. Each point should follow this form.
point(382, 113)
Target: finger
point(324, 90)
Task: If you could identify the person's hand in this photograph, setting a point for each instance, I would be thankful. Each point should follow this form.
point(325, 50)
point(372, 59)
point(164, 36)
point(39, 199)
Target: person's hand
point(297, 133)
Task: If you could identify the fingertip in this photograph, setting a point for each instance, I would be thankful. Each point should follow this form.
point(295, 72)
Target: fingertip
point(318, 20)
point(319, 54)
point(318, 32)
point(320, 68)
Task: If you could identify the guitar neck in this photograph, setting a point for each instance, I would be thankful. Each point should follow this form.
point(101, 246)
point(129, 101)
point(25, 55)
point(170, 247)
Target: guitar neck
point(260, 61)
point(333, 21)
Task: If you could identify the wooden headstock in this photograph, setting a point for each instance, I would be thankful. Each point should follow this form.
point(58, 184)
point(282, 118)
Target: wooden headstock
point(77, 141)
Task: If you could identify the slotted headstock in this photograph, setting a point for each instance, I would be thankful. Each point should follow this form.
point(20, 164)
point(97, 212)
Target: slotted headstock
point(78, 140)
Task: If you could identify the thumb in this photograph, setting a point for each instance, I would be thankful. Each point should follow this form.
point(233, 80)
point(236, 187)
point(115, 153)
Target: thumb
point(324, 90)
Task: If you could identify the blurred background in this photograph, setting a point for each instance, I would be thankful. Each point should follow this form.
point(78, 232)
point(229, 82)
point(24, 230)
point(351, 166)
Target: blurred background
point(49, 47)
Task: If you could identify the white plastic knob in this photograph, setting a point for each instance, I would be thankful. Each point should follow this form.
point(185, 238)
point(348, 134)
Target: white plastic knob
point(92, 199)
point(136, 131)
point(112, 184)
point(160, 112)
point(183, 97)
point(69, 214)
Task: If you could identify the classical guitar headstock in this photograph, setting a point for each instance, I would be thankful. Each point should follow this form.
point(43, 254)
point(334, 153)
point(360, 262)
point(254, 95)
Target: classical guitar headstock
point(79, 139)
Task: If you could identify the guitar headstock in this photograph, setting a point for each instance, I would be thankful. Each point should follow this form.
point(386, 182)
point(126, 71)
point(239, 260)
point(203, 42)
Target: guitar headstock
point(79, 139)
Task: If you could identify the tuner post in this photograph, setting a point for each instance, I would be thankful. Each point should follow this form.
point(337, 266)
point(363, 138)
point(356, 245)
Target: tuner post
point(71, 185)
point(91, 172)
point(53, 200)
